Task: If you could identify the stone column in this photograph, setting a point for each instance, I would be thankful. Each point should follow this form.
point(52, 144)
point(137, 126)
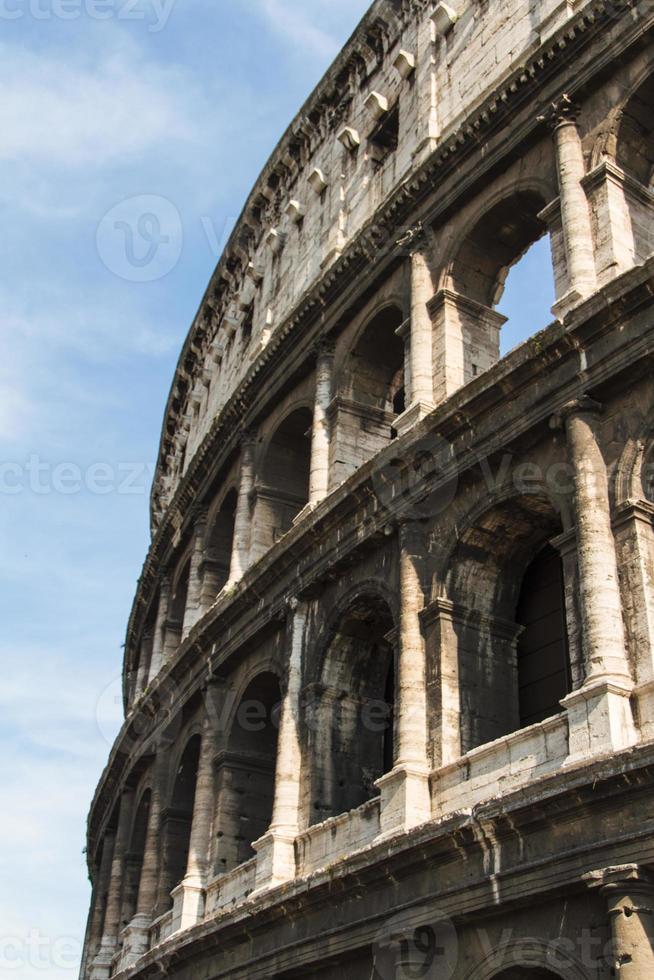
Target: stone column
point(194, 611)
point(243, 517)
point(159, 638)
point(600, 713)
point(575, 213)
point(417, 335)
point(275, 850)
point(136, 936)
point(319, 478)
point(633, 527)
point(100, 893)
point(101, 966)
point(629, 892)
point(189, 896)
point(145, 660)
point(405, 797)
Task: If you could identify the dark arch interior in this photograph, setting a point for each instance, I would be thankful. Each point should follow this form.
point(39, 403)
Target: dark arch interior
point(635, 137)
point(543, 659)
point(283, 489)
point(496, 243)
point(498, 573)
point(219, 547)
point(179, 597)
point(377, 363)
point(134, 859)
point(353, 729)
point(247, 773)
point(178, 817)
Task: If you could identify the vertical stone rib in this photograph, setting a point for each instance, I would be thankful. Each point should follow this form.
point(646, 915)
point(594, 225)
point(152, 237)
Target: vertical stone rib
point(411, 699)
point(575, 213)
point(242, 519)
point(319, 479)
point(601, 605)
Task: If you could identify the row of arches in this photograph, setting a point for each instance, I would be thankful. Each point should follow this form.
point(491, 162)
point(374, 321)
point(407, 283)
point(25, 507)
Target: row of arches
point(515, 665)
point(372, 383)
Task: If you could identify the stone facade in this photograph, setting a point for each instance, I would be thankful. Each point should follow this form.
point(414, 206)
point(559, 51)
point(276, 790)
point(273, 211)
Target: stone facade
point(389, 673)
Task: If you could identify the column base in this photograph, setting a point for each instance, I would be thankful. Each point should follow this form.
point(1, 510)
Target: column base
point(600, 718)
point(275, 859)
point(567, 302)
point(413, 414)
point(136, 940)
point(405, 799)
point(101, 967)
point(188, 903)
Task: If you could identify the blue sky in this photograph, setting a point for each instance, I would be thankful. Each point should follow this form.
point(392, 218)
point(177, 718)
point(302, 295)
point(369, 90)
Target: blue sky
point(180, 100)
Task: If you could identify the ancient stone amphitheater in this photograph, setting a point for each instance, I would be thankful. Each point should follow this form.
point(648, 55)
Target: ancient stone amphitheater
point(389, 673)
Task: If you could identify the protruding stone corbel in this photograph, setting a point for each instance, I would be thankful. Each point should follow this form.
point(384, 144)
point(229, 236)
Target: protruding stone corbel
point(349, 137)
point(377, 105)
point(317, 180)
point(444, 18)
point(405, 63)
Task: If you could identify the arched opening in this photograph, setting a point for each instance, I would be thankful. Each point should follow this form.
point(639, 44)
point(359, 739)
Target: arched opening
point(506, 586)
point(528, 296)
point(467, 324)
point(177, 818)
point(634, 152)
point(247, 773)
point(352, 729)
point(371, 393)
point(215, 572)
point(635, 136)
point(177, 609)
point(134, 859)
point(283, 486)
point(543, 659)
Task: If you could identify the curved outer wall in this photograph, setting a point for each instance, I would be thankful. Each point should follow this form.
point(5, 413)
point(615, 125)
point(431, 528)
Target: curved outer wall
point(389, 672)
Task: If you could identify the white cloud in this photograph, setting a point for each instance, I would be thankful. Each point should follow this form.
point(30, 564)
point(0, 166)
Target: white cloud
point(73, 115)
point(299, 27)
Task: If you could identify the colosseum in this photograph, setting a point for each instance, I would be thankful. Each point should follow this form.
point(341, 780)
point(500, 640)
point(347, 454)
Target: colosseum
point(389, 672)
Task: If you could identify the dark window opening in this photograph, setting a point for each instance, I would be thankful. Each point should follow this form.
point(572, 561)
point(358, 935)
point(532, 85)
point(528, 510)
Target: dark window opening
point(385, 138)
point(543, 660)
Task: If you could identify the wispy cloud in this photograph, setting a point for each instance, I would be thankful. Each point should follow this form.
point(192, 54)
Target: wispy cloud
point(73, 115)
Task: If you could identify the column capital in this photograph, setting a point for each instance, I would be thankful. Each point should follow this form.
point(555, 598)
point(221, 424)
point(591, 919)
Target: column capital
point(324, 348)
point(577, 406)
point(617, 878)
point(563, 112)
point(199, 515)
point(414, 240)
point(247, 439)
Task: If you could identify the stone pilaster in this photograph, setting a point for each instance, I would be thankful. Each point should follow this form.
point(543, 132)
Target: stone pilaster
point(405, 796)
point(159, 638)
point(136, 935)
point(634, 533)
point(275, 850)
point(575, 212)
point(599, 712)
point(101, 968)
point(145, 660)
point(189, 896)
point(629, 893)
point(320, 434)
point(242, 520)
point(99, 901)
point(194, 610)
point(417, 336)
